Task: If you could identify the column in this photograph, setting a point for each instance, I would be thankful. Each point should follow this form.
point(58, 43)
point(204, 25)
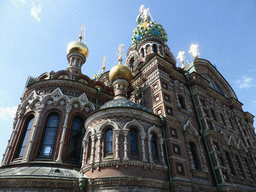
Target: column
point(149, 148)
point(161, 141)
point(62, 141)
point(32, 140)
point(158, 50)
point(99, 136)
point(117, 144)
point(9, 146)
point(84, 152)
point(93, 148)
point(126, 158)
point(143, 136)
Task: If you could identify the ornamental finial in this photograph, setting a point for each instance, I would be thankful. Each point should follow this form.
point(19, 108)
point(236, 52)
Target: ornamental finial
point(194, 50)
point(103, 64)
point(81, 33)
point(119, 53)
point(181, 57)
point(145, 15)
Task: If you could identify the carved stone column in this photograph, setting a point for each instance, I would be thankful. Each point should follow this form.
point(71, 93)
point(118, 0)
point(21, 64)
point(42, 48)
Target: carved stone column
point(93, 148)
point(149, 148)
point(99, 136)
point(117, 144)
point(143, 136)
point(161, 142)
point(14, 132)
point(126, 158)
point(84, 153)
point(40, 109)
point(158, 50)
point(202, 157)
point(62, 141)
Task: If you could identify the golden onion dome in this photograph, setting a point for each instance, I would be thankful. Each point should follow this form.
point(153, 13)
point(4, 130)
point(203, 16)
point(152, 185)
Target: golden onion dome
point(120, 72)
point(78, 47)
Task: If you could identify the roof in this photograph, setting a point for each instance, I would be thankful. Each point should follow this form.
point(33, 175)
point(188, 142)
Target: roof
point(39, 171)
point(123, 102)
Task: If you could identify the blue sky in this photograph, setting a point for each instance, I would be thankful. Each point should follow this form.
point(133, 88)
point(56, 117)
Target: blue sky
point(34, 35)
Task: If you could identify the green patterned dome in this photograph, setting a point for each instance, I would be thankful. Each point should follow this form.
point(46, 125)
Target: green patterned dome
point(123, 102)
point(147, 28)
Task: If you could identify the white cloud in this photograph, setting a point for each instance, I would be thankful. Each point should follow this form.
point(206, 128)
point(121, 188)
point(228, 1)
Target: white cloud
point(35, 11)
point(245, 83)
point(7, 112)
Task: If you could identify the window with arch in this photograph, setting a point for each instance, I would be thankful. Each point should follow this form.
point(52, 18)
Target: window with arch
point(134, 150)
point(24, 137)
point(154, 48)
point(131, 63)
point(75, 143)
point(49, 135)
point(108, 141)
point(89, 147)
point(194, 155)
point(154, 147)
point(213, 84)
point(142, 52)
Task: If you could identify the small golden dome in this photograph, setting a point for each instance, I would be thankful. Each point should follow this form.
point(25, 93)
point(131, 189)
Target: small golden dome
point(120, 72)
point(78, 47)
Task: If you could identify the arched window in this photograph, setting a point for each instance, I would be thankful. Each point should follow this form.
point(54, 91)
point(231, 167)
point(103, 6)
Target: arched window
point(142, 51)
point(109, 141)
point(75, 144)
point(134, 144)
point(89, 148)
point(154, 146)
point(154, 48)
point(131, 63)
point(49, 136)
point(194, 155)
point(182, 102)
point(25, 136)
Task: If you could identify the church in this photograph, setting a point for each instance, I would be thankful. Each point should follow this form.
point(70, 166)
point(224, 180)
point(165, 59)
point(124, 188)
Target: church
point(146, 125)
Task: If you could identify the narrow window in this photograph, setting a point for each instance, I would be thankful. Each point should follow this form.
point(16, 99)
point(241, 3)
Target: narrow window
point(182, 102)
point(25, 137)
point(154, 146)
point(132, 63)
point(89, 148)
point(49, 136)
point(109, 141)
point(75, 144)
point(142, 51)
point(154, 48)
point(134, 143)
point(194, 155)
